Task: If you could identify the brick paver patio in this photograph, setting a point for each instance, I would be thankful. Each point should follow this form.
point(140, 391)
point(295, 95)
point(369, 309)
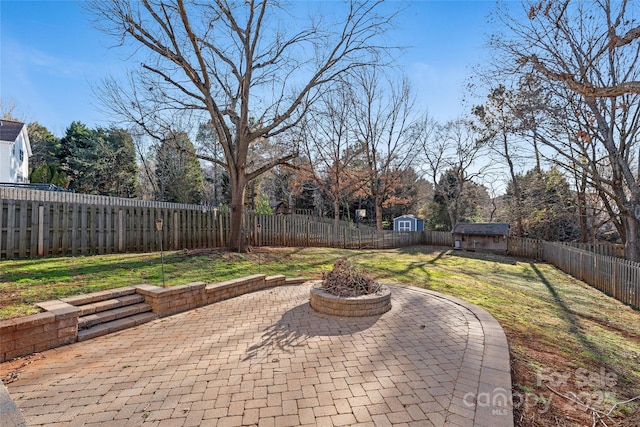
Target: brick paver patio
point(268, 359)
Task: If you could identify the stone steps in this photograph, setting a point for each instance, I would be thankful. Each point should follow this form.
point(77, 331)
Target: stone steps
point(91, 320)
point(110, 311)
point(116, 325)
point(109, 304)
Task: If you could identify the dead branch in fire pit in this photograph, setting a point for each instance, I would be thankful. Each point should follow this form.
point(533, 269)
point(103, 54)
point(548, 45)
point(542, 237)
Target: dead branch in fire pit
point(345, 281)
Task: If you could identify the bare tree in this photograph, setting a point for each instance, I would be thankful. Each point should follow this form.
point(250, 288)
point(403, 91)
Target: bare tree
point(587, 54)
point(450, 154)
point(242, 65)
point(332, 149)
point(383, 119)
point(499, 117)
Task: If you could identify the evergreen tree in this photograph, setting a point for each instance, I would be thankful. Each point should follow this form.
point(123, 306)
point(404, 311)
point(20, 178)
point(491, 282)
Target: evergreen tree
point(73, 148)
point(100, 161)
point(45, 147)
point(44, 164)
point(49, 174)
point(549, 207)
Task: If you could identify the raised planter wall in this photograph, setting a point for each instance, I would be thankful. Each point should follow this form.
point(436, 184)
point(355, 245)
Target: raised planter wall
point(58, 325)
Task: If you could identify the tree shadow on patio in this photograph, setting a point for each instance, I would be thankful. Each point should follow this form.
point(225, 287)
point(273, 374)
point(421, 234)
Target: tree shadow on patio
point(302, 322)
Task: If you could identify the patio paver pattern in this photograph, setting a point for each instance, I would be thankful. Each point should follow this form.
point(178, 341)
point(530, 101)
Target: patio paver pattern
point(268, 359)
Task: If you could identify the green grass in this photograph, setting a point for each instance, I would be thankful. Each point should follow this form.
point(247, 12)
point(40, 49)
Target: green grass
point(552, 321)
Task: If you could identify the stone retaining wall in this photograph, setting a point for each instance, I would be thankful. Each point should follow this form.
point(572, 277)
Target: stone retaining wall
point(361, 306)
point(58, 325)
point(31, 334)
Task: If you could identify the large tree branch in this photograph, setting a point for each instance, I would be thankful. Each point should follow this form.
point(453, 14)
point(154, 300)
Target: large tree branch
point(270, 165)
point(630, 36)
point(584, 89)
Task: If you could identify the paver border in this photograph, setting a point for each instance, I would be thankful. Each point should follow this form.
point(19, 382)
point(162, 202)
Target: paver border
point(495, 374)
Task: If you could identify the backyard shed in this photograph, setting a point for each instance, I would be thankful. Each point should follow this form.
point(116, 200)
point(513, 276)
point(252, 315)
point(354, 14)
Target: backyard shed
point(408, 223)
point(279, 207)
point(490, 237)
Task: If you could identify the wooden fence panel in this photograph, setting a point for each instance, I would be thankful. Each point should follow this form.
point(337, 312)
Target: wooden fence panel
point(606, 249)
point(611, 275)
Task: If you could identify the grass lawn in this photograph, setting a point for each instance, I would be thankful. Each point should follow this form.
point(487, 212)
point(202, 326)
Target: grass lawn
point(567, 340)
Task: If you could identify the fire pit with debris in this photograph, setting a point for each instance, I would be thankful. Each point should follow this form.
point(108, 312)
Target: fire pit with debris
point(345, 291)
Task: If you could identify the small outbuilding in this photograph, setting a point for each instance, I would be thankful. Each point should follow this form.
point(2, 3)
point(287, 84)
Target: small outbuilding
point(279, 208)
point(408, 223)
point(489, 237)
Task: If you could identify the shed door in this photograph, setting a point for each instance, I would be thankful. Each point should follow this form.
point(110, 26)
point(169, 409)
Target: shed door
point(404, 225)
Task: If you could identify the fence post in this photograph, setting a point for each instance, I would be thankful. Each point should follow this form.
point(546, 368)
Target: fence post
point(120, 231)
point(176, 234)
point(40, 231)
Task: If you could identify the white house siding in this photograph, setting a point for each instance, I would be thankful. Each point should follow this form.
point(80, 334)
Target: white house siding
point(14, 159)
point(6, 160)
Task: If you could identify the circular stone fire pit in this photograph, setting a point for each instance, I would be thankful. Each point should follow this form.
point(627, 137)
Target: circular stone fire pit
point(360, 306)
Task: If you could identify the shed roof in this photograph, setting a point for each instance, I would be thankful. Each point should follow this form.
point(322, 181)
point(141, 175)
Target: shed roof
point(482, 229)
point(406, 217)
point(9, 130)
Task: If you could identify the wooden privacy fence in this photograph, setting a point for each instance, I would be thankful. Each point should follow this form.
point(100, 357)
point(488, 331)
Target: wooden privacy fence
point(533, 248)
point(34, 228)
point(526, 248)
point(45, 226)
point(40, 223)
point(299, 230)
point(614, 276)
point(599, 265)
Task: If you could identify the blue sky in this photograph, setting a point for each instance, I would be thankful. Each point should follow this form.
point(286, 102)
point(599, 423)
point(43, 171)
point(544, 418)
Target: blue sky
point(51, 57)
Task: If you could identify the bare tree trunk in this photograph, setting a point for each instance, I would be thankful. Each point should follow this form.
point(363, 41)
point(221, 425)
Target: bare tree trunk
point(582, 208)
point(378, 215)
point(237, 208)
point(336, 212)
point(516, 186)
point(632, 244)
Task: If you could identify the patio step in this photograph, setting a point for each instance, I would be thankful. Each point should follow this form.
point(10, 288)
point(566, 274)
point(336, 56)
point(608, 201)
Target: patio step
point(109, 304)
point(91, 320)
point(116, 325)
point(85, 299)
point(110, 311)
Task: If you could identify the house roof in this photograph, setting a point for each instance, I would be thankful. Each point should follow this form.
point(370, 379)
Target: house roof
point(482, 229)
point(9, 130)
